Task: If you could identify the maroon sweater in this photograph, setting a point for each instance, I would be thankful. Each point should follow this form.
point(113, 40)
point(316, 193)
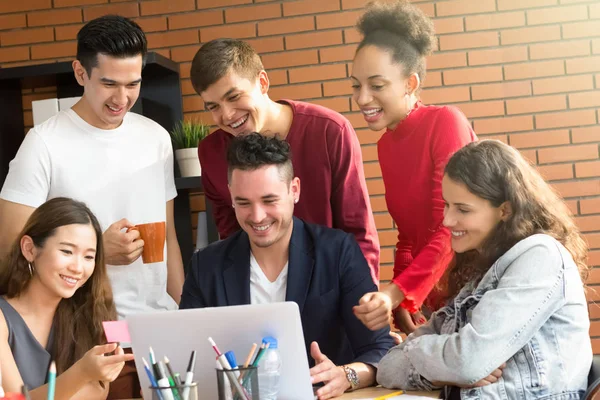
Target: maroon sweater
point(326, 157)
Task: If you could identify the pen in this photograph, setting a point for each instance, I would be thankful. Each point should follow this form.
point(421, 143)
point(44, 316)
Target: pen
point(189, 375)
point(223, 360)
point(387, 396)
point(177, 378)
point(25, 392)
point(152, 358)
point(163, 382)
point(171, 377)
point(260, 354)
point(51, 380)
point(231, 359)
point(151, 378)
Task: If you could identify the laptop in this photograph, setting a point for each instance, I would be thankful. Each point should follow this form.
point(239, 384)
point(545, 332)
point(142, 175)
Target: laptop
point(176, 333)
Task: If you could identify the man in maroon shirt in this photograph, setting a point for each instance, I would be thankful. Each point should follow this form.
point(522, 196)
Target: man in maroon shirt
point(326, 156)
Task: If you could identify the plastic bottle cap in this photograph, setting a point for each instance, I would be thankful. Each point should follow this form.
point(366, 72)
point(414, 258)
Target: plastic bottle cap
point(271, 340)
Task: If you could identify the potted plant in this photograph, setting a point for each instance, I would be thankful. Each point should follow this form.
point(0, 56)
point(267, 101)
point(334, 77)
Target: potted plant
point(185, 137)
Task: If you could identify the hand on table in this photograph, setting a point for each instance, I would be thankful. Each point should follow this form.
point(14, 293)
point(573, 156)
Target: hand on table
point(121, 248)
point(326, 371)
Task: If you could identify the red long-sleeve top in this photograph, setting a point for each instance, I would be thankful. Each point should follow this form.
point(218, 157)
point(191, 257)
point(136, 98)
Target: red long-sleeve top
point(412, 159)
point(326, 157)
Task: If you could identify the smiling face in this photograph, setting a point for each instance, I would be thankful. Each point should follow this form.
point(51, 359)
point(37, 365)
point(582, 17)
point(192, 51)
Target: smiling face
point(264, 204)
point(65, 261)
point(237, 104)
point(379, 88)
point(470, 218)
point(110, 91)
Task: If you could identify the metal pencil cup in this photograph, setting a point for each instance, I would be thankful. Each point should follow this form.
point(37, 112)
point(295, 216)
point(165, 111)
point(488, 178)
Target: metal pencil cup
point(239, 384)
point(177, 392)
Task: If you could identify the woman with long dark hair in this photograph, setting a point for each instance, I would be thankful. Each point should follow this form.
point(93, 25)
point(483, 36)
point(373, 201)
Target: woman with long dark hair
point(55, 295)
point(516, 325)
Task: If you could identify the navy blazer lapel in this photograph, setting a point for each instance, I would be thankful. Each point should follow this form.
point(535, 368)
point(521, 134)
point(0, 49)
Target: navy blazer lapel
point(236, 272)
point(301, 264)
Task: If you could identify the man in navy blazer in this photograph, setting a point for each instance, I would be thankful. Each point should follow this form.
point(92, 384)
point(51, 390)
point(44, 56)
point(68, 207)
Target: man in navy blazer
point(278, 257)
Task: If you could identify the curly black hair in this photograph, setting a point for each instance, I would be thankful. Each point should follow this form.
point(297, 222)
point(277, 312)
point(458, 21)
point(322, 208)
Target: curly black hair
point(401, 29)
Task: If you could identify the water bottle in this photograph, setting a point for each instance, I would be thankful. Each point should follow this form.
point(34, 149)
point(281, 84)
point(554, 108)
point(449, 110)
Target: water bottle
point(269, 371)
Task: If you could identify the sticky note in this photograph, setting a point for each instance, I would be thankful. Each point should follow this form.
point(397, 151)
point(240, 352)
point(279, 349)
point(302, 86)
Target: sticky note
point(116, 331)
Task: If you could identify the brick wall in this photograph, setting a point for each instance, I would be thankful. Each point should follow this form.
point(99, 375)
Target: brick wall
point(523, 71)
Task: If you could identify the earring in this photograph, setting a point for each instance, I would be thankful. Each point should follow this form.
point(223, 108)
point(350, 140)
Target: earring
point(407, 104)
point(295, 201)
point(30, 269)
point(233, 206)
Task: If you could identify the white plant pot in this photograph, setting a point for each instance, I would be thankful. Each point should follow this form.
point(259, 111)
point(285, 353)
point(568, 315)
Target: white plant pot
point(189, 164)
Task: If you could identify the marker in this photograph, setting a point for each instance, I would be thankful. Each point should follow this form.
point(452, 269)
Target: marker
point(178, 379)
point(151, 378)
point(171, 377)
point(152, 358)
point(387, 396)
point(163, 382)
point(223, 360)
point(231, 359)
point(51, 380)
point(189, 375)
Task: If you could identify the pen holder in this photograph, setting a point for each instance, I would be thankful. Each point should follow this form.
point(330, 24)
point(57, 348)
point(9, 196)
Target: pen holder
point(231, 382)
point(177, 392)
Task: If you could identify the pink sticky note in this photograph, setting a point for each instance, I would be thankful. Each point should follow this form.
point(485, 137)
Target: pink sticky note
point(116, 331)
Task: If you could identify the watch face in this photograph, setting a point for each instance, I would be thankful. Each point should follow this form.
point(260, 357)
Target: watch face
point(352, 377)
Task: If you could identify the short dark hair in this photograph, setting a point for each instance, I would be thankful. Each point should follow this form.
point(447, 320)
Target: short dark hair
point(216, 58)
point(253, 151)
point(111, 35)
point(400, 28)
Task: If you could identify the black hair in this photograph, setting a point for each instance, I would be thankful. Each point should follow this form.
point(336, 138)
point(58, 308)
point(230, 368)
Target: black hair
point(400, 28)
point(253, 151)
point(111, 35)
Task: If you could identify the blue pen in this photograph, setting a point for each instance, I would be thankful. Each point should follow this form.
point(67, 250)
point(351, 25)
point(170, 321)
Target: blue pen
point(151, 377)
point(51, 380)
point(231, 358)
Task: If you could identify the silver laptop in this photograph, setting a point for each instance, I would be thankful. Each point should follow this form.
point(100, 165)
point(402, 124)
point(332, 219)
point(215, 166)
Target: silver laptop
point(176, 333)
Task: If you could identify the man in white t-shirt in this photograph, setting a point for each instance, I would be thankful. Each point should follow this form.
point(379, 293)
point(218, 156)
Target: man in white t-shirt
point(119, 163)
point(277, 257)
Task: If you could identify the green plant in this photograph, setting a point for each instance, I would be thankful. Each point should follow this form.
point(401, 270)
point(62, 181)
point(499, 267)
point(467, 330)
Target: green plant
point(187, 134)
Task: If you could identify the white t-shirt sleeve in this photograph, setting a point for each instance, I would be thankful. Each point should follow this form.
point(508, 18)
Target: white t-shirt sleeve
point(28, 179)
point(170, 189)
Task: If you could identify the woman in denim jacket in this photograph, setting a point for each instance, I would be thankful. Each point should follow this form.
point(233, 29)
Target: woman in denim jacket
point(517, 326)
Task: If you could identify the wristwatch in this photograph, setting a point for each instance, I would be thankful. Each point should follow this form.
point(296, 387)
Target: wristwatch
point(352, 377)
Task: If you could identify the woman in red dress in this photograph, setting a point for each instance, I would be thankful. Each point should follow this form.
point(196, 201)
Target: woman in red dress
point(387, 73)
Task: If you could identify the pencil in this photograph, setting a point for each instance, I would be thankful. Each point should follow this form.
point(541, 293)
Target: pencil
point(249, 358)
point(387, 396)
point(51, 380)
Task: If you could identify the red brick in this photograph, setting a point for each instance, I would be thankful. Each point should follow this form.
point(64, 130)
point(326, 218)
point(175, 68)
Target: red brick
point(357, 121)
point(195, 19)
point(337, 88)
point(578, 188)
point(472, 75)
point(387, 237)
point(521, 4)
point(468, 40)
point(446, 60)
point(186, 87)
point(266, 45)
point(501, 90)
point(581, 29)
point(128, 10)
point(559, 49)
point(534, 69)
point(184, 53)
point(349, 4)
point(432, 79)
point(313, 39)
point(317, 73)
point(446, 95)
point(172, 38)
point(588, 223)
point(530, 156)
point(236, 31)
point(373, 170)
point(53, 50)
point(530, 35)
point(54, 17)
point(594, 310)
point(13, 21)
point(338, 104)
point(583, 65)
point(593, 240)
point(192, 103)
point(584, 99)
point(290, 59)
point(339, 53)
point(67, 32)
point(288, 25)
point(448, 25)
point(8, 6)
point(375, 186)
point(482, 108)
point(565, 118)
point(278, 77)
point(570, 153)
point(369, 153)
point(383, 221)
point(591, 206)
point(500, 55)
point(163, 7)
point(338, 20)
point(563, 84)
point(586, 134)
point(153, 24)
point(595, 345)
point(309, 7)
point(164, 52)
point(252, 13)
point(351, 35)
point(304, 91)
point(184, 69)
point(572, 206)
point(504, 125)
point(367, 136)
point(202, 116)
point(463, 7)
point(587, 169)
point(29, 98)
point(539, 139)
point(556, 172)
point(557, 14)
point(201, 4)
point(71, 3)
point(28, 118)
point(536, 104)
point(495, 21)
point(26, 36)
